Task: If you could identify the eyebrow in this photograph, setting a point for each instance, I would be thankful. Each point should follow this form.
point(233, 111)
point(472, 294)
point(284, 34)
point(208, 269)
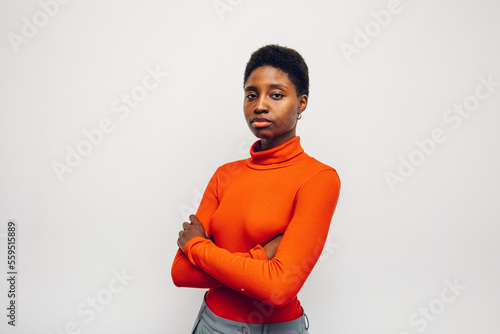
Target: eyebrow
point(272, 86)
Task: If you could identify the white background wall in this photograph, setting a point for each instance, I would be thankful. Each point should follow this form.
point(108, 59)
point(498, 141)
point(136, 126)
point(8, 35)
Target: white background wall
point(392, 251)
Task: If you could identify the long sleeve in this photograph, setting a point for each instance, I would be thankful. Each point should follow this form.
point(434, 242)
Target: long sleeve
point(278, 280)
point(184, 273)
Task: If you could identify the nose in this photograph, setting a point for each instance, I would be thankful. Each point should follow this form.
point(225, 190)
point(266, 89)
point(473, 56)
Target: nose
point(261, 105)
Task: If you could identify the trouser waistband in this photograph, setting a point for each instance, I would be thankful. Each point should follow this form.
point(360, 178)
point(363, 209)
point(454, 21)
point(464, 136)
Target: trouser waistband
point(214, 322)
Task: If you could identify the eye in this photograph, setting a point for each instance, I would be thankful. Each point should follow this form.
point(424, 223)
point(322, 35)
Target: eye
point(277, 96)
point(250, 96)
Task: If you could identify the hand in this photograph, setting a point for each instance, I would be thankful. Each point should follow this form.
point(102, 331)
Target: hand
point(190, 231)
point(272, 246)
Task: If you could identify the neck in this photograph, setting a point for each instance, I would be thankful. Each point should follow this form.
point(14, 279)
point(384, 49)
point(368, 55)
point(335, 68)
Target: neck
point(275, 157)
point(267, 143)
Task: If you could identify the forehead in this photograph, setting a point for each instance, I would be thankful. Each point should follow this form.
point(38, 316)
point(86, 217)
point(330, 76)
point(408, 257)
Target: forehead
point(267, 76)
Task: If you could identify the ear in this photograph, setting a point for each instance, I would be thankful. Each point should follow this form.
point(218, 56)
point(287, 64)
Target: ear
point(302, 103)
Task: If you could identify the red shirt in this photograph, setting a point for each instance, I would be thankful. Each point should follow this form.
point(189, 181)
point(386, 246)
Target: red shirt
point(246, 204)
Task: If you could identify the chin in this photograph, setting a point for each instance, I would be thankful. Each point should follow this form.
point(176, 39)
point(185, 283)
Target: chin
point(263, 136)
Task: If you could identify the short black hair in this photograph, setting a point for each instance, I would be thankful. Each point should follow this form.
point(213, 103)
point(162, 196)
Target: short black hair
point(283, 58)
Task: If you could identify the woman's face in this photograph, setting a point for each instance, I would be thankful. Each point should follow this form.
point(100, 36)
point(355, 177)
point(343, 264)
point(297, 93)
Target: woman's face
point(271, 106)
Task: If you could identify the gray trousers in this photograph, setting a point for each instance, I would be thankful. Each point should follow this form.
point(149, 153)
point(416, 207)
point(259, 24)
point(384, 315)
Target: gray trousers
point(208, 322)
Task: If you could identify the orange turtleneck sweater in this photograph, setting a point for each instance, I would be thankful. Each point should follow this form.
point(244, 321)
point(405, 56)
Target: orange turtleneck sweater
point(246, 204)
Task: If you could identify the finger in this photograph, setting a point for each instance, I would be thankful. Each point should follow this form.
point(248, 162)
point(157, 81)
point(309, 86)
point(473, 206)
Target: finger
point(180, 233)
point(185, 225)
point(194, 219)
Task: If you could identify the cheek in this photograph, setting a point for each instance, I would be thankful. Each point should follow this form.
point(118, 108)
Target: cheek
point(288, 118)
point(247, 111)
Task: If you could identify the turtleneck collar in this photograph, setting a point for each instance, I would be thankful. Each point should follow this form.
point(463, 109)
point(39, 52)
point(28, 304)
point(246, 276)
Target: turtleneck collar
point(276, 155)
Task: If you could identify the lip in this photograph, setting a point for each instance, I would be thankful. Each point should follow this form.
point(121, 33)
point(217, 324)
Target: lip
point(259, 122)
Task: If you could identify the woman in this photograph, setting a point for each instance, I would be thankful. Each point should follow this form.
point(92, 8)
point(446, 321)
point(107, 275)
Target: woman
point(263, 221)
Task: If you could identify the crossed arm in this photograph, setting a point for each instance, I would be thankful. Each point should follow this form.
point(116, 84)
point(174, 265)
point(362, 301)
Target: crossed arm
point(198, 278)
point(196, 229)
point(273, 273)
